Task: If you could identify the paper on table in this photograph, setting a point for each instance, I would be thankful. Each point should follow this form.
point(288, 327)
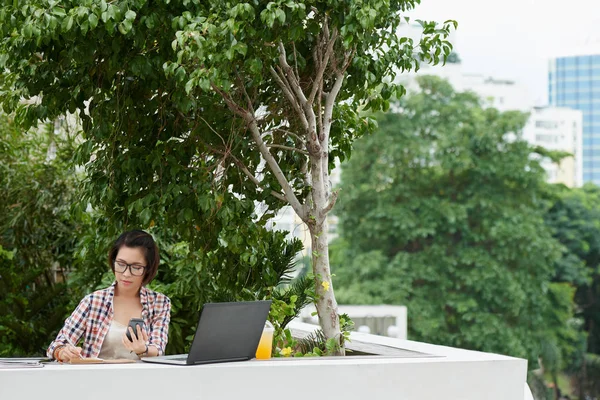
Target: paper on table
point(7, 363)
point(100, 361)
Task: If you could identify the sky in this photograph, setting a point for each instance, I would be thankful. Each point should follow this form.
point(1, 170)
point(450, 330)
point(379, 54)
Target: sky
point(514, 39)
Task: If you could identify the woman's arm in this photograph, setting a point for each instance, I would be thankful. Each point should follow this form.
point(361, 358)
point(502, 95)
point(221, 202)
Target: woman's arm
point(159, 335)
point(71, 332)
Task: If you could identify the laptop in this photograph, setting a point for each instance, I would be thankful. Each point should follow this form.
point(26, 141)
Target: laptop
point(226, 332)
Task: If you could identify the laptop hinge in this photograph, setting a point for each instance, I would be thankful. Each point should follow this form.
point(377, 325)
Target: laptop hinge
point(221, 360)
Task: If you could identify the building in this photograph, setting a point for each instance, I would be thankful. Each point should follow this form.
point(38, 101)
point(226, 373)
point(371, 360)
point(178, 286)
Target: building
point(574, 82)
point(555, 128)
point(559, 129)
point(287, 220)
point(502, 94)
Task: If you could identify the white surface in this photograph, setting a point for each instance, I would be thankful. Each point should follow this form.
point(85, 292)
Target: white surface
point(502, 94)
point(528, 394)
point(455, 374)
point(561, 129)
point(399, 313)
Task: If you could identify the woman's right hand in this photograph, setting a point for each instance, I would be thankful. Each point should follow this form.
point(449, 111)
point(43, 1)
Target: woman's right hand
point(68, 353)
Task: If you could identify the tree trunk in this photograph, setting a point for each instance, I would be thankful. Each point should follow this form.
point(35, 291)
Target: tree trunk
point(326, 304)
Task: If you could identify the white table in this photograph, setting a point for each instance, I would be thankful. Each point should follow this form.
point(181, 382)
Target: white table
point(460, 377)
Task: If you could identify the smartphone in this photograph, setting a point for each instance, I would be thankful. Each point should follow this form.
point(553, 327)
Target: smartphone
point(134, 323)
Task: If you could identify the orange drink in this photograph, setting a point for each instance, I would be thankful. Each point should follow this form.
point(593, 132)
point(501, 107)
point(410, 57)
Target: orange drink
point(263, 351)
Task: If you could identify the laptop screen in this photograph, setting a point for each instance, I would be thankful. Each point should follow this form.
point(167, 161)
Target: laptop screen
point(228, 331)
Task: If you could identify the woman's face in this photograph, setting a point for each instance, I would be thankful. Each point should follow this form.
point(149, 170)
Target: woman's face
point(133, 261)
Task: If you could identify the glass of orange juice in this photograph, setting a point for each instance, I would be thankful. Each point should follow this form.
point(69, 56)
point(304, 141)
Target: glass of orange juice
point(263, 351)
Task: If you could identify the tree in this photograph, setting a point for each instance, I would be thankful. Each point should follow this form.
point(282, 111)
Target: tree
point(444, 212)
point(37, 189)
point(575, 221)
point(256, 99)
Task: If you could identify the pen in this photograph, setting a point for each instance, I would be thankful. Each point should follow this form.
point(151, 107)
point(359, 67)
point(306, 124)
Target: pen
point(71, 343)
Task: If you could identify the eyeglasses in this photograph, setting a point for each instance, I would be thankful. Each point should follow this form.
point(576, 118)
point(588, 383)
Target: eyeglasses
point(136, 270)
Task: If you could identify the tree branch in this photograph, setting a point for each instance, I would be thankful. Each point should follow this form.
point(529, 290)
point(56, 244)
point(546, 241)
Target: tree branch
point(295, 59)
point(329, 102)
point(279, 146)
point(294, 83)
point(332, 95)
point(288, 191)
point(233, 106)
point(332, 200)
point(289, 73)
point(287, 91)
point(243, 86)
point(320, 112)
point(289, 197)
point(323, 65)
point(290, 134)
point(245, 170)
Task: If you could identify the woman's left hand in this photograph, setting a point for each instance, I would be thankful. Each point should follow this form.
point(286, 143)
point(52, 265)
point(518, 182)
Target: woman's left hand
point(139, 343)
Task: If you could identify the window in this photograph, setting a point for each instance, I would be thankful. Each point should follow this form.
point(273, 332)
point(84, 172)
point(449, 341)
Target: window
point(574, 95)
point(567, 61)
point(569, 73)
point(546, 138)
point(546, 124)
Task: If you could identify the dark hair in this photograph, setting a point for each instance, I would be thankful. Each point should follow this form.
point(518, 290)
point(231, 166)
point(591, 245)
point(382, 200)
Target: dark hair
point(138, 239)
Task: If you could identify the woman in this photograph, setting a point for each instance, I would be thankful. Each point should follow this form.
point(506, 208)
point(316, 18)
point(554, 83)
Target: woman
point(101, 318)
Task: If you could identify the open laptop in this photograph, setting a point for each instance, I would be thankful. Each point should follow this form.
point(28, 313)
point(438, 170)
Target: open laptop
point(226, 332)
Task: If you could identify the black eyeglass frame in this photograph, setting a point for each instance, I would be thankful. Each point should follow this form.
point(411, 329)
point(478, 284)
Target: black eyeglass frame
point(118, 268)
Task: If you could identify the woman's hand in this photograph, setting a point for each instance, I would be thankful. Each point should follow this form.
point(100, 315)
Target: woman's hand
point(68, 353)
point(138, 345)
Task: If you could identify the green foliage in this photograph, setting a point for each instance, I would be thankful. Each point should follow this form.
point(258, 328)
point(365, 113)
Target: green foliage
point(155, 83)
point(575, 221)
point(586, 382)
point(193, 277)
point(538, 387)
point(288, 300)
point(444, 213)
point(317, 344)
point(148, 69)
point(37, 232)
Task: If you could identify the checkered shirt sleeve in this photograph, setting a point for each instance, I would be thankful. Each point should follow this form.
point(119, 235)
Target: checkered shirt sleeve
point(74, 326)
point(160, 319)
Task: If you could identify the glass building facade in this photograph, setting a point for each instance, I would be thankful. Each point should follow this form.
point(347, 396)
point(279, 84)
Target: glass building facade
point(574, 82)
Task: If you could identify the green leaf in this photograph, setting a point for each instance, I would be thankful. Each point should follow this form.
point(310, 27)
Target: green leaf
point(59, 12)
point(93, 20)
point(84, 27)
point(280, 15)
point(130, 15)
point(67, 24)
point(125, 27)
point(180, 74)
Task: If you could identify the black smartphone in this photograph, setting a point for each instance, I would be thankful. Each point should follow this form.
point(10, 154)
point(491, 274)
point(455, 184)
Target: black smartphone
point(134, 323)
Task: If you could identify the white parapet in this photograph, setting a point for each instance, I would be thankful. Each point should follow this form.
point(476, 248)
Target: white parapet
point(387, 320)
point(420, 372)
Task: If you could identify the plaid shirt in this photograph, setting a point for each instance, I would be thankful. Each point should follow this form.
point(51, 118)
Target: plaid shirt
point(92, 318)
